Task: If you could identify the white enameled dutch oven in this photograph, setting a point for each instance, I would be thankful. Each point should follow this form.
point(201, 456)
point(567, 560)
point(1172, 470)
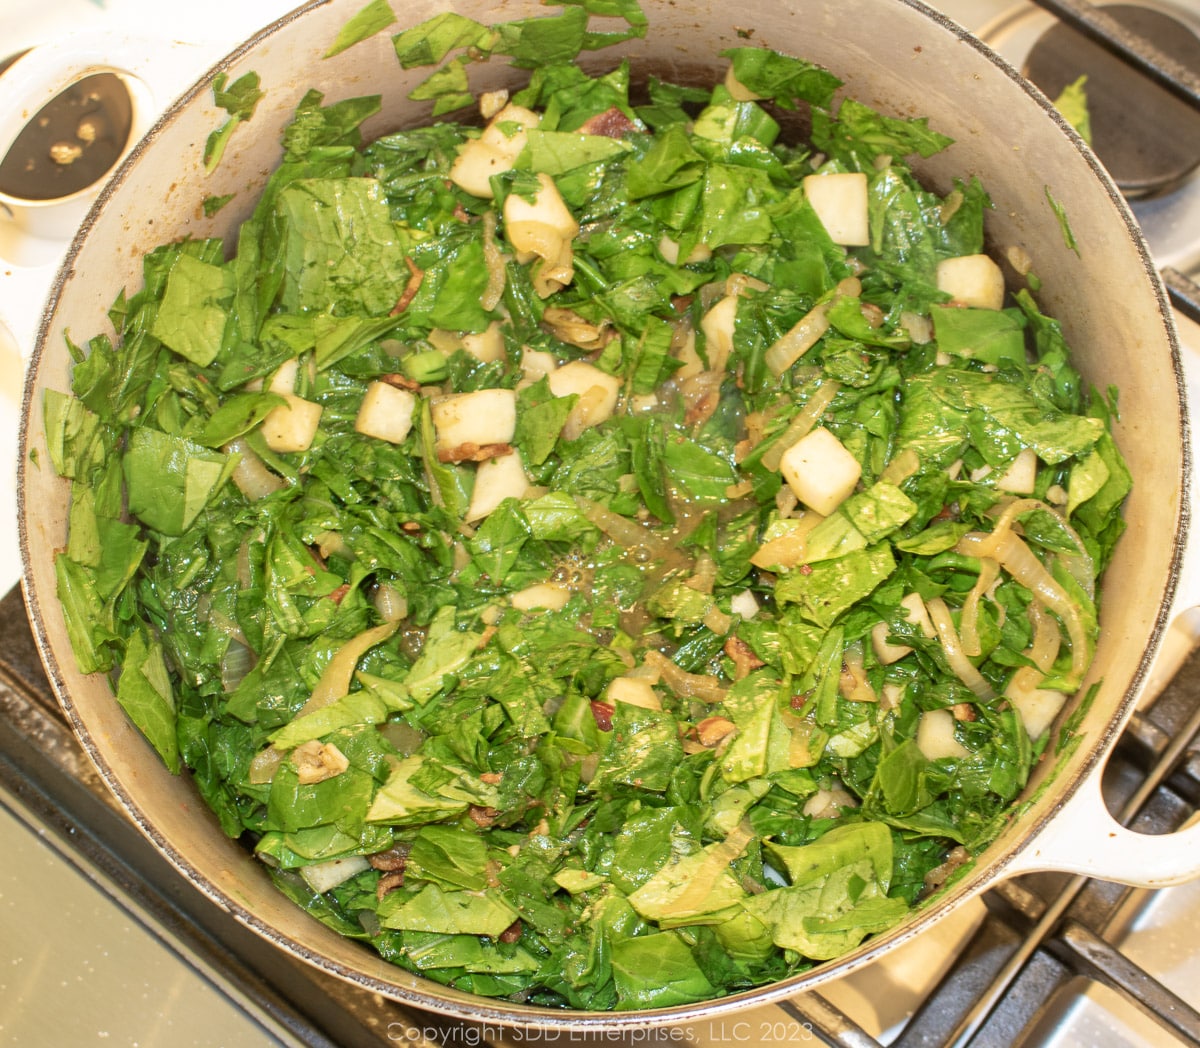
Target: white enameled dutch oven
point(894, 55)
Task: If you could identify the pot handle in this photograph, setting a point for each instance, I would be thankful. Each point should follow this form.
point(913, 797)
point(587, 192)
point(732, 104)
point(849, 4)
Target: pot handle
point(1084, 838)
point(34, 234)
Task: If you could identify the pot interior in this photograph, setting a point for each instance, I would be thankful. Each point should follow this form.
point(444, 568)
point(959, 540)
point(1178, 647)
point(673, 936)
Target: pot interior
point(895, 56)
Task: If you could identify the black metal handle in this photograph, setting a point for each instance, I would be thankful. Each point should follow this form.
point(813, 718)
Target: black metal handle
point(1130, 47)
point(1184, 293)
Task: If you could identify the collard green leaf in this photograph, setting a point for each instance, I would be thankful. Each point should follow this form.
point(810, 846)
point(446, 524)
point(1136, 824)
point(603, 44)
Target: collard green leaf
point(342, 252)
point(144, 692)
point(193, 314)
point(369, 20)
point(239, 100)
point(170, 480)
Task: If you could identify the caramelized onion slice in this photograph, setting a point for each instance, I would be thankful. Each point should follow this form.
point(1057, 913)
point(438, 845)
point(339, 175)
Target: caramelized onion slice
point(961, 666)
point(335, 680)
point(1019, 561)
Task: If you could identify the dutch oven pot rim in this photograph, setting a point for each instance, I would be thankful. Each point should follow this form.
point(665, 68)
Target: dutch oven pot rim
point(1075, 834)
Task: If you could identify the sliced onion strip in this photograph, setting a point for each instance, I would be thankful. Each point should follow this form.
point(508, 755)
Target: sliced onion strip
point(798, 339)
point(493, 259)
point(807, 331)
point(251, 475)
point(685, 685)
point(961, 666)
point(1018, 560)
point(989, 571)
point(335, 680)
point(1042, 652)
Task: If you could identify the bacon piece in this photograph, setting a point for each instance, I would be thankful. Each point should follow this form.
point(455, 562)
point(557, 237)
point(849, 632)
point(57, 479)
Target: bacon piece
point(603, 712)
point(468, 452)
point(712, 730)
point(389, 882)
point(394, 378)
point(392, 860)
point(744, 659)
point(415, 276)
point(512, 933)
point(481, 816)
point(612, 123)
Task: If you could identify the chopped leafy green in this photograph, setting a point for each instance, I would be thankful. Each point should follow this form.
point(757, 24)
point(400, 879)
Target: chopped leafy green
point(373, 18)
point(239, 100)
point(1072, 102)
point(1064, 222)
point(475, 561)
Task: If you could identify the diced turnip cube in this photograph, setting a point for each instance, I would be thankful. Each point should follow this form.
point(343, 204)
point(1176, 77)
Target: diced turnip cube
point(291, 426)
point(935, 736)
point(506, 131)
point(474, 166)
point(636, 691)
point(386, 413)
point(491, 102)
point(324, 876)
point(486, 345)
point(820, 471)
point(891, 696)
point(1037, 709)
point(669, 249)
point(887, 652)
point(537, 363)
point(840, 201)
point(545, 596)
point(493, 152)
point(497, 479)
point(829, 803)
point(284, 379)
point(597, 391)
point(744, 604)
point(534, 228)
point(1020, 477)
point(718, 325)
point(973, 280)
point(486, 416)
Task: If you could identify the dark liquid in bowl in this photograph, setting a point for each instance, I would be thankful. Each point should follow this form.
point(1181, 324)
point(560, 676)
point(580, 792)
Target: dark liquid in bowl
point(72, 142)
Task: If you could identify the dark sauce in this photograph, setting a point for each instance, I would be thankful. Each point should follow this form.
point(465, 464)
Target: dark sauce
point(73, 141)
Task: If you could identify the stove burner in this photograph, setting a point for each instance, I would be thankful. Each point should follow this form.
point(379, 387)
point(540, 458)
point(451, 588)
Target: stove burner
point(72, 142)
point(1148, 139)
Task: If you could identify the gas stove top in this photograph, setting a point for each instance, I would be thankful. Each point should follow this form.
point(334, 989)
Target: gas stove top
point(102, 939)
